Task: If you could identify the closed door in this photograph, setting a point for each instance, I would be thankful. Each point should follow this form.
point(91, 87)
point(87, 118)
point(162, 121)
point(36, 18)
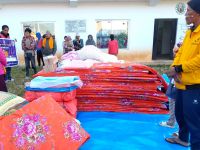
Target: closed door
point(164, 38)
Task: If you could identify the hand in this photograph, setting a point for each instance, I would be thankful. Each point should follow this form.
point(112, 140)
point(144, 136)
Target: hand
point(27, 48)
point(171, 72)
point(177, 78)
point(175, 50)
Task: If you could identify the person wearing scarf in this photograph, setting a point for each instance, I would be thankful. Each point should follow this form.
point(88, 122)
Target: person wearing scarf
point(49, 46)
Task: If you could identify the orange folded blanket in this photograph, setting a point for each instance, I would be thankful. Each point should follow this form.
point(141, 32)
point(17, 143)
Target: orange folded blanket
point(41, 124)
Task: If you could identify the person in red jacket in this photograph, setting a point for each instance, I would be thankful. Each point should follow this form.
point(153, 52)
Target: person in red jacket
point(113, 45)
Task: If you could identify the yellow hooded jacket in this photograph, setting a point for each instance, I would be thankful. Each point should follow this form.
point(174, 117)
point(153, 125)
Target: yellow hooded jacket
point(189, 57)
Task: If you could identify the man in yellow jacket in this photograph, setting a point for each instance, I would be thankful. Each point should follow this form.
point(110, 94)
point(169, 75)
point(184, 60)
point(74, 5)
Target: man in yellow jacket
point(186, 72)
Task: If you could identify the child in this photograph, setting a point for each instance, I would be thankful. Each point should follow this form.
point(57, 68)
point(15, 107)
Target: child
point(171, 92)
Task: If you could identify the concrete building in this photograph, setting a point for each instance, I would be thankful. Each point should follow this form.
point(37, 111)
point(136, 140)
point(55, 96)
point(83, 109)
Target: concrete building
point(147, 29)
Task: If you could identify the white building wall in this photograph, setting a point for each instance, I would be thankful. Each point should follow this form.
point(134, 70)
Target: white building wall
point(140, 15)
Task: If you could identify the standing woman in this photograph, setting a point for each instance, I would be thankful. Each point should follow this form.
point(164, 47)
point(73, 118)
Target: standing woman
point(113, 45)
point(4, 34)
point(2, 71)
point(90, 41)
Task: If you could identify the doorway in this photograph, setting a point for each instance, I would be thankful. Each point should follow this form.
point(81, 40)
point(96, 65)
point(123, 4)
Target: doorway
point(164, 38)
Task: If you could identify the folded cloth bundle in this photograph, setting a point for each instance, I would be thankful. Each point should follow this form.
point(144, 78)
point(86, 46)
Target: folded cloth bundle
point(9, 103)
point(34, 127)
point(50, 63)
point(56, 82)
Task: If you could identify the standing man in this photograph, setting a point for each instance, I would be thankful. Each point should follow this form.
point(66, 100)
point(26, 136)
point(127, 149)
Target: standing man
point(186, 72)
point(29, 46)
point(78, 42)
point(4, 34)
point(49, 46)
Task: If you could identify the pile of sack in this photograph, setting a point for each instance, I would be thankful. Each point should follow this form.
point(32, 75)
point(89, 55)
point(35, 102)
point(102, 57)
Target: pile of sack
point(118, 87)
point(62, 89)
point(85, 58)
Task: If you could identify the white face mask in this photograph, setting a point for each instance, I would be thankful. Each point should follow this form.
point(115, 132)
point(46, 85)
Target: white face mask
point(190, 25)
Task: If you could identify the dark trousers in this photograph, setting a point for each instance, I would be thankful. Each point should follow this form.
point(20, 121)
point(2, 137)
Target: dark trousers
point(187, 111)
point(40, 58)
point(8, 73)
point(30, 58)
point(2, 83)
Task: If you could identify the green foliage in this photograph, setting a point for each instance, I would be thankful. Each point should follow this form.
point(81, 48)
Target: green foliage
point(122, 37)
point(17, 86)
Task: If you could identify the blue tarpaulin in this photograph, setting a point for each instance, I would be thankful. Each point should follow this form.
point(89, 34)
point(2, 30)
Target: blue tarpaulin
point(125, 131)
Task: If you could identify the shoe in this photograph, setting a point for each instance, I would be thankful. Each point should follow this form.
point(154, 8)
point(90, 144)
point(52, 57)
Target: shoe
point(27, 78)
point(12, 79)
point(175, 134)
point(176, 140)
point(165, 124)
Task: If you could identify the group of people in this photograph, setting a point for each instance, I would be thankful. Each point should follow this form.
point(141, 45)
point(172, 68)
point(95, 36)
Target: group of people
point(69, 45)
point(44, 45)
point(77, 44)
point(185, 71)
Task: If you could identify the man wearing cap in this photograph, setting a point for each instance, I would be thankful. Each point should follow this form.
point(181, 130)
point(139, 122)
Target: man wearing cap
point(78, 42)
point(186, 72)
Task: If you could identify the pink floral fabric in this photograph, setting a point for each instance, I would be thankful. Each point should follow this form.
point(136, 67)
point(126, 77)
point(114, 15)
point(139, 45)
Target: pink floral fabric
point(30, 130)
point(72, 131)
point(41, 125)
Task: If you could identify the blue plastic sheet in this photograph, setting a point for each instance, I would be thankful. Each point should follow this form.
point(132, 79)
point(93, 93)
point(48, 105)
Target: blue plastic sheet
point(166, 78)
point(64, 89)
point(125, 131)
